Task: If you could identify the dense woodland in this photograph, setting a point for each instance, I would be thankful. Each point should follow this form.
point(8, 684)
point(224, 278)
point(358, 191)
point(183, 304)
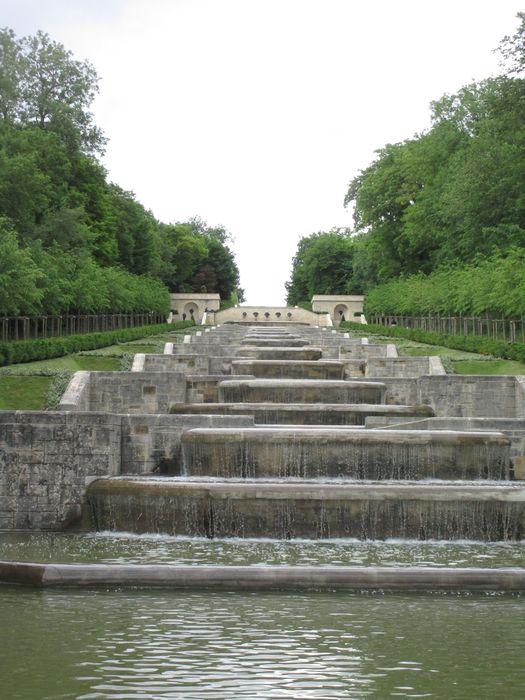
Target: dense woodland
point(70, 240)
point(439, 218)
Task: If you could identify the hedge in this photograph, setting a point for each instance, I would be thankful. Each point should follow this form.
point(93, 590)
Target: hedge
point(16, 351)
point(469, 343)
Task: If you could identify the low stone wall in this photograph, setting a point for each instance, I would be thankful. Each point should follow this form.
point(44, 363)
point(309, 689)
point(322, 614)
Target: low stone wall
point(460, 395)
point(152, 443)
point(475, 396)
point(403, 366)
point(46, 461)
point(205, 389)
point(364, 351)
point(189, 363)
point(124, 392)
point(47, 458)
point(272, 314)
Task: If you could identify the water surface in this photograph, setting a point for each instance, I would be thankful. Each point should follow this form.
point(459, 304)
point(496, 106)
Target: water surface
point(137, 644)
point(125, 548)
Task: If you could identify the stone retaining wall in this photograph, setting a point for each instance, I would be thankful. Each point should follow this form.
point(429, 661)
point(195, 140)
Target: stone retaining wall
point(46, 461)
point(47, 458)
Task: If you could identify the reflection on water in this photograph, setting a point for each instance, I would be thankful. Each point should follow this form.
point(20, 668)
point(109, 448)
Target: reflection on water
point(138, 644)
point(121, 548)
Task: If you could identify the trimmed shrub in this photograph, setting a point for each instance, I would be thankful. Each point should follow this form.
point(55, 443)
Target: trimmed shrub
point(19, 351)
point(468, 343)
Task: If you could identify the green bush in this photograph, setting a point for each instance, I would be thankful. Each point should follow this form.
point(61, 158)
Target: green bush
point(19, 351)
point(469, 343)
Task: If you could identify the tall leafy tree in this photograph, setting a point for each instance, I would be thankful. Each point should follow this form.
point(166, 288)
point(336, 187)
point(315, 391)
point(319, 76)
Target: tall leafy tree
point(323, 264)
point(43, 85)
point(19, 275)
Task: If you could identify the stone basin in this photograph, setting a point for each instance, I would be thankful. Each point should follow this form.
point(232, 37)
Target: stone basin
point(280, 353)
point(301, 391)
point(275, 342)
point(298, 369)
point(306, 414)
point(345, 453)
point(283, 510)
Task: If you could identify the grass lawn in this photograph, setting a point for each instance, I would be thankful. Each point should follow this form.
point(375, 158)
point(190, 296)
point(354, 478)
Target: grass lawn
point(68, 362)
point(461, 362)
point(418, 350)
point(23, 393)
point(126, 348)
point(455, 361)
point(488, 367)
point(25, 386)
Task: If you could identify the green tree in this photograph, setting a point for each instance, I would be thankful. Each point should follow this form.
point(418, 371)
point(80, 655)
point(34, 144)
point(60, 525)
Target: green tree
point(183, 253)
point(323, 264)
point(19, 276)
point(450, 193)
point(220, 264)
point(46, 87)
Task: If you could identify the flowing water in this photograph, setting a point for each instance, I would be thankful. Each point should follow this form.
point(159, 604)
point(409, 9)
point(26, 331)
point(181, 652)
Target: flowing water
point(135, 644)
point(125, 548)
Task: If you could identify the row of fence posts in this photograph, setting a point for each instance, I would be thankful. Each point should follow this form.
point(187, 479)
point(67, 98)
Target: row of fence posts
point(29, 327)
point(512, 330)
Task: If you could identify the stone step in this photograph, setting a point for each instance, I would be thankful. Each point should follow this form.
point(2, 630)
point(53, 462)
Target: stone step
point(307, 414)
point(301, 391)
point(275, 342)
point(293, 369)
point(305, 453)
point(283, 353)
point(284, 510)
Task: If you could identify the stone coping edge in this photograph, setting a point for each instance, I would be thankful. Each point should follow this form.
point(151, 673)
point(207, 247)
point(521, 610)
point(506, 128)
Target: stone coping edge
point(263, 577)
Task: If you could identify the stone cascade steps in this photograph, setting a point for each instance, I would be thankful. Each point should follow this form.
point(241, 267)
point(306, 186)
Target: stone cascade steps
point(309, 467)
point(307, 414)
point(290, 369)
point(301, 391)
point(286, 510)
point(344, 453)
point(275, 342)
point(282, 353)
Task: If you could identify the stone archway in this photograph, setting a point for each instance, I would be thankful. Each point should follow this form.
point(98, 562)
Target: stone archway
point(341, 313)
point(191, 309)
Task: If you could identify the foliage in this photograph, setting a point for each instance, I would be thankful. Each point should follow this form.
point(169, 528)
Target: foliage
point(323, 264)
point(43, 349)
point(56, 389)
point(512, 49)
point(468, 343)
point(69, 239)
point(43, 85)
point(494, 285)
point(197, 258)
point(19, 276)
point(449, 195)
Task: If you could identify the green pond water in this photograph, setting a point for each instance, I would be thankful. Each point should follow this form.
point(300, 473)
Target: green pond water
point(137, 644)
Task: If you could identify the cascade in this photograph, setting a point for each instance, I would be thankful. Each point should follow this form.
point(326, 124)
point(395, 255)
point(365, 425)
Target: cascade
point(324, 458)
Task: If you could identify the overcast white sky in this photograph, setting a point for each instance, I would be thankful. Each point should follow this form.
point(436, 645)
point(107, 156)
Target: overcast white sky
point(256, 114)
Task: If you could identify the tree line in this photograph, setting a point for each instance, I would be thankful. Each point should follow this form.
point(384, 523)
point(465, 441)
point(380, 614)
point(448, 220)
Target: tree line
point(444, 204)
point(70, 240)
